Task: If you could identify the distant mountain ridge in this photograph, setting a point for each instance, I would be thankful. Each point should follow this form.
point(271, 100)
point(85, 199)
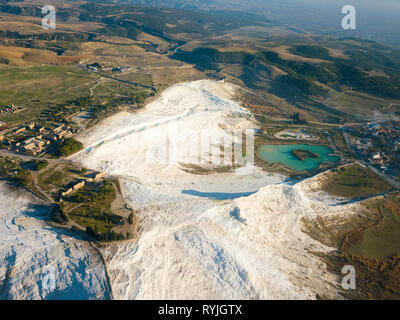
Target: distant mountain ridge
point(375, 20)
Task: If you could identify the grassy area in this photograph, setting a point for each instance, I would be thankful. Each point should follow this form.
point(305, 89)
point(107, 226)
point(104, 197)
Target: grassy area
point(369, 241)
point(36, 88)
point(56, 178)
point(137, 78)
point(199, 170)
point(90, 208)
point(82, 217)
point(355, 181)
point(24, 177)
point(383, 239)
point(340, 143)
point(358, 103)
point(13, 169)
point(7, 165)
point(49, 179)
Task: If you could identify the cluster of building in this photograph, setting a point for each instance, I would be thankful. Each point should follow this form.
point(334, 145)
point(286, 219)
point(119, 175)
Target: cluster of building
point(362, 145)
point(377, 144)
point(122, 69)
point(96, 67)
point(10, 109)
point(34, 138)
point(296, 135)
point(94, 177)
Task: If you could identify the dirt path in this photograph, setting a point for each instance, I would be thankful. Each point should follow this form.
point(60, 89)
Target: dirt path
point(36, 185)
point(335, 97)
point(98, 82)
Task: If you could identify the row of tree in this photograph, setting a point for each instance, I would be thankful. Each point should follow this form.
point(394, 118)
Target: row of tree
point(107, 236)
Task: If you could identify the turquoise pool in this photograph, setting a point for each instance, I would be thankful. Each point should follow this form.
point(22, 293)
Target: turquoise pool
point(283, 154)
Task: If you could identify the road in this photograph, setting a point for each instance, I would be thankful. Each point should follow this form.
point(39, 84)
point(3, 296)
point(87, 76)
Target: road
point(96, 85)
point(348, 140)
point(52, 162)
point(130, 82)
point(301, 125)
point(44, 195)
point(385, 177)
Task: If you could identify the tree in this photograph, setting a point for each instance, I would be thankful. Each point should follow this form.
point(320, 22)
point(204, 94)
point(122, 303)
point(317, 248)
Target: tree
point(3, 171)
point(68, 147)
point(40, 164)
point(58, 214)
point(91, 232)
point(23, 176)
point(130, 219)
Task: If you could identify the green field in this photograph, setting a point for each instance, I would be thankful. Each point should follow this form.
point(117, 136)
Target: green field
point(37, 88)
point(361, 104)
point(56, 178)
point(355, 181)
point(90, 208)
point(380, 241)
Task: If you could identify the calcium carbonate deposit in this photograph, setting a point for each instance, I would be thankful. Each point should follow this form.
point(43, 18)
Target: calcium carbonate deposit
point(228, 234)
point(39, 262)
point(231, 235)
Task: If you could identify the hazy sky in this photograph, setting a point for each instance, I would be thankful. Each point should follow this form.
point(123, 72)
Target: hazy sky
point(376, 19)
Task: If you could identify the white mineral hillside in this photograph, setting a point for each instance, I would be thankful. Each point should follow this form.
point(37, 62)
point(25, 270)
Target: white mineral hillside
point(192, 245)
point(249, 248)
point(170, 132)
point(34, 254)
